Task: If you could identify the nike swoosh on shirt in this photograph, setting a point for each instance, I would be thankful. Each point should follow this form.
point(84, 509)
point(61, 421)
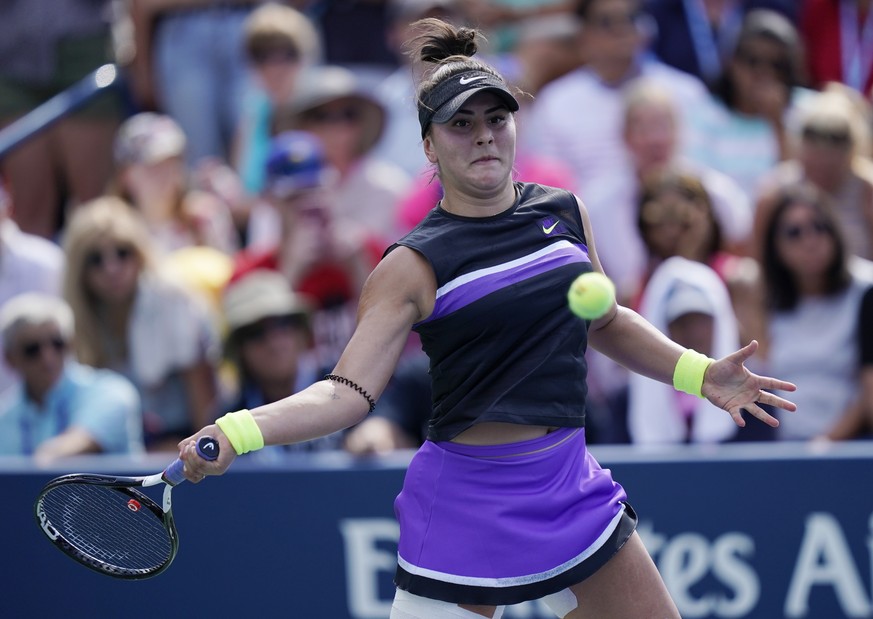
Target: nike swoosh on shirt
point(466, 80)
point(550, 228)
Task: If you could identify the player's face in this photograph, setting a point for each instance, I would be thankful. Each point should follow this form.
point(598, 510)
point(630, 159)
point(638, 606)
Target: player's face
point(475, 150)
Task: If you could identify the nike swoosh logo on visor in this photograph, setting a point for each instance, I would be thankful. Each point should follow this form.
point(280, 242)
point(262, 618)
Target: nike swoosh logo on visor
point(466, 80)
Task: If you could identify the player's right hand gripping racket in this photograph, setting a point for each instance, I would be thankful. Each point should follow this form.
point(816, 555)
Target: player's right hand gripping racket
point(105, 523)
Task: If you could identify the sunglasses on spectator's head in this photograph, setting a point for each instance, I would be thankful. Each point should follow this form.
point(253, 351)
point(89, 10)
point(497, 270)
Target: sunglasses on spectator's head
point(795, 232)
point(838, 138)
point(97, 259)
point(33, 349)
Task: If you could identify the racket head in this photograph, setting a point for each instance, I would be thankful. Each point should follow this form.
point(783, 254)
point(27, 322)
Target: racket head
point(106, 524)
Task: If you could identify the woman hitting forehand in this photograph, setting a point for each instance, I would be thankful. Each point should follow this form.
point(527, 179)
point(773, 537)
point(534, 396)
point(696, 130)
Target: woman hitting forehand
point(502, 503)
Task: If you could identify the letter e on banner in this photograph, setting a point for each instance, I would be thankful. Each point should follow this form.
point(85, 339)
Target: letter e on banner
point(365, 559)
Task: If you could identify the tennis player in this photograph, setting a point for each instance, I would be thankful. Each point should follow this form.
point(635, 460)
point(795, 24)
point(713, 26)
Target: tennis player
point(502, 503)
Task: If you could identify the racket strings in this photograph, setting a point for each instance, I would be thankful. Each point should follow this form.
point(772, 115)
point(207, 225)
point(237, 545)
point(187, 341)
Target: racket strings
point(108, 525)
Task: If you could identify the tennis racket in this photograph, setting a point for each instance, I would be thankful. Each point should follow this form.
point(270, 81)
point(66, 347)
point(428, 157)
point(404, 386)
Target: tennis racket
point(105, 523)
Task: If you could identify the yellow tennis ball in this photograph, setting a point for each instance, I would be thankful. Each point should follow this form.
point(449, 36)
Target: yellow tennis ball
point(591, 295)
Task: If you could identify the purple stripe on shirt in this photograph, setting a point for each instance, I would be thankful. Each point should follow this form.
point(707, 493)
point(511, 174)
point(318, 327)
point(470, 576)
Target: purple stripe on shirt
point(480, 287)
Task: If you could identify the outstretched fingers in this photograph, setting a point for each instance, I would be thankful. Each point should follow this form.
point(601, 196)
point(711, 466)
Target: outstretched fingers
point(776, 384)
point(763, 397)
point(742, 355)
point(758, 412)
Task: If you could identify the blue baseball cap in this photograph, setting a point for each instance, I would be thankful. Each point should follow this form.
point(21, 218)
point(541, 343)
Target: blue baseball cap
point(295, 162)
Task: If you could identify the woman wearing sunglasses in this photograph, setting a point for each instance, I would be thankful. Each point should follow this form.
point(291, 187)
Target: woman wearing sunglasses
point(742, 132)
point(813, 288)
point(831, 149)
point(133, 318)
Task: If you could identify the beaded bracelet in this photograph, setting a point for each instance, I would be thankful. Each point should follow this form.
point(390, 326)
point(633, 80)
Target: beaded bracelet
point(242, 431)
point(353, 385)
point(689, 372)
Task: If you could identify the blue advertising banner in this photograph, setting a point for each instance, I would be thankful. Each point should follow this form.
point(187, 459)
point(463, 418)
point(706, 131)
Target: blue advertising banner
point(758, 531)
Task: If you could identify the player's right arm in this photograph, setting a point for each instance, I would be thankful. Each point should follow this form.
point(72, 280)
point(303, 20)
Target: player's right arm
point(400, 291)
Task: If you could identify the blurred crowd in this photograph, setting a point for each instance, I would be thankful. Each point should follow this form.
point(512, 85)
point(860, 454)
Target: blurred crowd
point(194, 241)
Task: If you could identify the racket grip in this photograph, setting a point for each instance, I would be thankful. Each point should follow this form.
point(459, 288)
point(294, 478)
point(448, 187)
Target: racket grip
point(207, 448)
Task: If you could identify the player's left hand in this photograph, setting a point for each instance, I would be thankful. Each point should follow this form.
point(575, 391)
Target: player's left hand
point(730, 385)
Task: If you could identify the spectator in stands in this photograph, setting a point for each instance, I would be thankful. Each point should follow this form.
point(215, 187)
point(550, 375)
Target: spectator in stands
point(831, 149)
point(677, 218)
point(190, 64)
point(60, 408)
point(134, 318)
point(269, 344)
point(546, 48)
point(813, 293)
point(280, 42)
point(838, 35)
point(333, 105)
point(686, 294)
point(742, 133)
point(688, 301)
point(321, 254)
point(651, 131)
point(45, 49)
point(613, 40)
point(697, 36)
point(28, 263)
point(152, 176)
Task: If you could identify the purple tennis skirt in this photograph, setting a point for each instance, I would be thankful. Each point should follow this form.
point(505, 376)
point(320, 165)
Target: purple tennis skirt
point(502, 524)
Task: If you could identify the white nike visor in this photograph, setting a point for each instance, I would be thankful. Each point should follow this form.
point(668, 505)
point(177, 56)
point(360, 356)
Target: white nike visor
point(442, 101)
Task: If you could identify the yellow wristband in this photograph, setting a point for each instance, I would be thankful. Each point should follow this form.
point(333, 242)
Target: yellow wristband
point(689, 372)
point(242, 431)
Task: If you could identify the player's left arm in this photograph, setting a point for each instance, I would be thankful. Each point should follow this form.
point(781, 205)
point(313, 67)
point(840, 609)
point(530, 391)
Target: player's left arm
point(400, 291)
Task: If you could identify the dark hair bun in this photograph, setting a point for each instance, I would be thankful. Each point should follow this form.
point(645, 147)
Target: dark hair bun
point(437, 40)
